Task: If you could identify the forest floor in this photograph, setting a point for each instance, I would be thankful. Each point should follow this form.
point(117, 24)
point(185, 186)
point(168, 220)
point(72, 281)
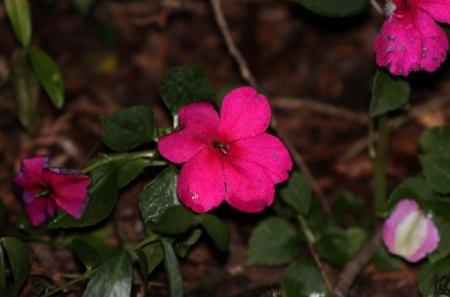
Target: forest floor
point(316, 72)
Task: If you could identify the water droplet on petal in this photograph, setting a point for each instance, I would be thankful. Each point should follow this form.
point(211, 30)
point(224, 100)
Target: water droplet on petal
point(194, 195)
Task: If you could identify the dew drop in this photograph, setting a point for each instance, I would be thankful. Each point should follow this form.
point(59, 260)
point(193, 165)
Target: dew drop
point(194, 195)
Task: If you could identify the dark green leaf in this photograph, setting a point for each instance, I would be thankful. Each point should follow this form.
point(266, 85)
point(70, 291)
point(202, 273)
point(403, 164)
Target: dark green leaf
point(335, 246)
point(49, 75)
point(143, 264)
point(388, 93)
point(183, 85)
point(2, 269)
point(18, 260)
point(128, 128)
point(303, 280)
point(434, 276)
point(159, 195)
point(19, 14)
point(26, 91)
point(86, 253)
point(357, 236)
point(154, 255)
point(436, 141)
point(437, 172)
point(183, 247)
point(341, 8)
point(385, 261)
point(98, 240)
point(273, 242)
point(176, 220)
point(113, 278)
point(129, 170)
point(216, 229)
point(172, 270)
point(103, 196)
point(443, 225)
point(297, 193)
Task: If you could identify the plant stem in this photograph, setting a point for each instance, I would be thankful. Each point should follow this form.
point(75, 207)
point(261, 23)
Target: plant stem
point(89, 273)
point(310, 240)
point(380, 163)
point(376, 6)
point(149, 154)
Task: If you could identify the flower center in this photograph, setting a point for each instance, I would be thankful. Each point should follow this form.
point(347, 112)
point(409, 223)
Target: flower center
point(44, 193)
point(222, 147)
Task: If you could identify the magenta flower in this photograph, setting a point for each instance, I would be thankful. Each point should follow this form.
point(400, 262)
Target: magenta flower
point(228, 158)
point(410, 233)
point(410, 39)
point(45, 189)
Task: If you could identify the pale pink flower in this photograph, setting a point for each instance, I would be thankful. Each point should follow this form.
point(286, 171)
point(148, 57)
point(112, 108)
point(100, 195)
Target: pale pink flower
point(228, 158)
point(410, 39)
point(409, 232)
point(45, 189)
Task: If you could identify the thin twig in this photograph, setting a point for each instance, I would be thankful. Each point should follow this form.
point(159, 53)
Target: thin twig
point(250, 79)
point(354, 267)
point(376, 6)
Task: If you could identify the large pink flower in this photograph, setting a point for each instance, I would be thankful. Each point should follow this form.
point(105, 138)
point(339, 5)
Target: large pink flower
point(45, 189)
point(228, 158)
point(410, 39)
point(409, 232)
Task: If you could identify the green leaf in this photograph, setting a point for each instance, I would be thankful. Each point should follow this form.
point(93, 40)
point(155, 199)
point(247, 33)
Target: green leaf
point(2, 269)
point(385, 261)
point(18, 260)
point(183, 247)
point(335, 246)
point(437, 172)
point(143, 264)
point(443, 250)
point(19, 14)
point(216, 229)
point(341, 8)
point(183, 85)
point(128, 128)
point(436, 141)
point(434, 276)
point(86, 253)
point(129, 170)
point(297, 193)
point(113, 278)
point(48, 74)
point(103, 196)
point(303, 280)
point(273, 242)
point(172, 270)
point(388, 93)
point(176, 220)
point(357, 237)
point(26, 91)
point(159, 195)
point(154, 254)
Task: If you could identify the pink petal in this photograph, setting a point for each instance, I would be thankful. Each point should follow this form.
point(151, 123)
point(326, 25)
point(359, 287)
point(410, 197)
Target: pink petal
point(437, 9)
point(244, 113)
point(68, 190)
point(32, 167)
point(28, 184)
point(198, 122)
point(430, 243)
point(201, 183)
point(37, 211)
point(267, 151)
point(249, 187)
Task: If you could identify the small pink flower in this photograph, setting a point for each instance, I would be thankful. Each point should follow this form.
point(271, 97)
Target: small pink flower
point(45, 189)
point(410, 233)
point(228, 158)
point(410, 39)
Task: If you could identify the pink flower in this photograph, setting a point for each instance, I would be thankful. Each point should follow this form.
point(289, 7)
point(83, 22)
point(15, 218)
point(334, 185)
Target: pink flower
point(228, 158)
point(410, 233)
point(410, 39)
point(45, 189)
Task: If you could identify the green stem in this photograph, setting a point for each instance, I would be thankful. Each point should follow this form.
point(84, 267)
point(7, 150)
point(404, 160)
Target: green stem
point(310, 240)
point(380, 163)
point(89, 273)
point(149, 154)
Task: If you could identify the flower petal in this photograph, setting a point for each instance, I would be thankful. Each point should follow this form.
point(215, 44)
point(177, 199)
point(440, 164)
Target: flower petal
point(33, 167)
point(198, 122)
point(409, 233)
point(437, 9)
point(267, 151)
point(36, 211)
point(249, 187)
point(68, 190)
point(28, 184)
point(201, 183)
point(244, 113)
